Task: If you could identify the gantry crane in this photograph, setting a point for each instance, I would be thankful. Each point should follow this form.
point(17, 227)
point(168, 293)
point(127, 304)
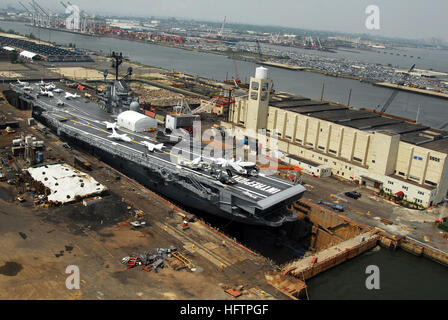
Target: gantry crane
point(395, 93)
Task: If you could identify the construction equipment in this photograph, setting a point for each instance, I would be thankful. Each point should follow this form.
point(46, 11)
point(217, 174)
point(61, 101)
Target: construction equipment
point(335, 206)
point(221, 31)
point(396, 91)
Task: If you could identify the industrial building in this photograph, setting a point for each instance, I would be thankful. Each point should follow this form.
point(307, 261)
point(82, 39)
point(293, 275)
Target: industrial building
point(375, 150)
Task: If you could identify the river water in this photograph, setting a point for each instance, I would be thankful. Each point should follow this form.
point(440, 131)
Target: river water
point(402, 276)
point(434, 111)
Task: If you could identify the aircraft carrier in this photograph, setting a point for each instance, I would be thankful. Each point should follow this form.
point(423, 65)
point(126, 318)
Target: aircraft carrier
point(252, 199)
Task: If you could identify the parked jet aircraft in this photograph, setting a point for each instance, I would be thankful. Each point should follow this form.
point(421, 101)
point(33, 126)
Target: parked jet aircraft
point(152, 146)
point(119, 137)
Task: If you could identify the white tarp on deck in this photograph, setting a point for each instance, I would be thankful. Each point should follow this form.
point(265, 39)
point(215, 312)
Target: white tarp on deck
point(65, 182)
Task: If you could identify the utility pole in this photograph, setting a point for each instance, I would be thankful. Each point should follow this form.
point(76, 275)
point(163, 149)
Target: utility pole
point(349, 97)
point(323, 90)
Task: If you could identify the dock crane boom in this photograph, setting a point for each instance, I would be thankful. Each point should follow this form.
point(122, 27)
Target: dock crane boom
point(221, 31)
point(395, 93)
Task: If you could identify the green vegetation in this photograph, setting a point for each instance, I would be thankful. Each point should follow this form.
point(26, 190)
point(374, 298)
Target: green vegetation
point(403, 202)
point(31, 36)
point(11, 31)
point(443, 226)
point(14, 57)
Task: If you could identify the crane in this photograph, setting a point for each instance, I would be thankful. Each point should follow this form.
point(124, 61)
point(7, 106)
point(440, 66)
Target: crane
point(395, 93)
point(32, 14)
point(221, 31)
point(36, 15)
point(44, 12)
point(24, 7)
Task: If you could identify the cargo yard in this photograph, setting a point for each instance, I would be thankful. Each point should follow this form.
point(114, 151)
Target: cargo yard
point(131, 240)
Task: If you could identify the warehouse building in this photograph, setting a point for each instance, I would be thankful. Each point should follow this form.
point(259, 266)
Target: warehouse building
point(377, 151)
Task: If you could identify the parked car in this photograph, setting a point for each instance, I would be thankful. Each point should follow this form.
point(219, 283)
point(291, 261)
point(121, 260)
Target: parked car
point(353, 194)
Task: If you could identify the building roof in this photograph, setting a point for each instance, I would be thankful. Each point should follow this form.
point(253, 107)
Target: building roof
point(364, 119)
point(28, 54)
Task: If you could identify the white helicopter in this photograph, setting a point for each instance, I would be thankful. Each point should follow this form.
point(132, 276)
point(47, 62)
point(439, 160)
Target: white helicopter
point(153, 146)
point(69, 95)
point(22, 84)
point(119, 137)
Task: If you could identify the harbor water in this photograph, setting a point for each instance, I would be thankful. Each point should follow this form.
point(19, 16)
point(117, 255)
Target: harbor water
point(402, 276)
point(433, 111)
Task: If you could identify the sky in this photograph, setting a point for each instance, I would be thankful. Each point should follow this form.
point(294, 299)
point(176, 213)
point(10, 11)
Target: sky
point(413, 19)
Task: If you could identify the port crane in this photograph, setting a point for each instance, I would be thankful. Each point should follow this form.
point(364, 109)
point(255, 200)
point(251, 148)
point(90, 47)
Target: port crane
point(396, 91)
point(32, 15)
point(221, 31)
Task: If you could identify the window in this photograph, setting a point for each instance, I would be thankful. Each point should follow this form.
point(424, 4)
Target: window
point(405, 188)
point(418, 158)
point(357, 159)
point(255, 86)
point(309, 144)
point(321, 148)
point(254, 95)
point(414, 178)
point(401, 173)
point(373, 161)
point(431, 183)
point(332, 151)
point(299, 140)
point(390, 182)
point(421, 193)
point(287, 137)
